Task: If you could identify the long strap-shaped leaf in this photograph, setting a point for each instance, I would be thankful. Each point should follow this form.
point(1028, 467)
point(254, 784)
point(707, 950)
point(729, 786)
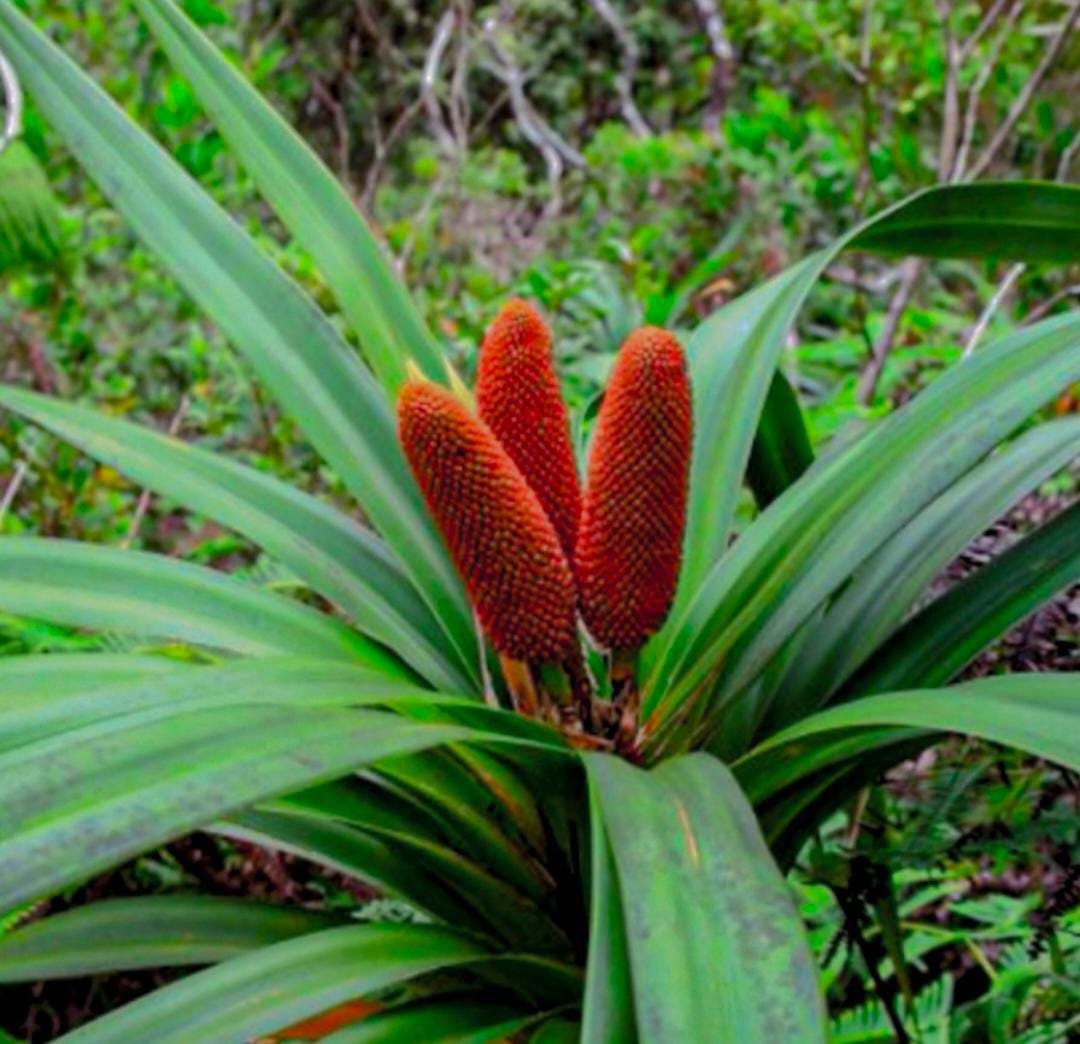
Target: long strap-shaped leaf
point(310, 200)
point(717, 950)
point(36, 712)
point(940, 640)
point(875, 601)
point(781, 452)
point(326, 549)
point(505, 912)
point(277, 986)
point(1038, 713)
point(103, 588)
point(293, 347)
point(82, 801)
point(33, 678)
point(461, 1018)
point(811, 540)
point(608, 1005)
point(358, 853)
point(734, 353)
point(162, 931)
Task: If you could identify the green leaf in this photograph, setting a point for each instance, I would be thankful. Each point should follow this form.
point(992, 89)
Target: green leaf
point(311, 202)
point(359, 853)
point(465, 1018)
point(879, 595)
point(506, 913)
point(608, 1005)
point(717, 950)
point(734, 353)
point(781, 451)
point(82, 801)
point(33, 678)
point(278, 986)
point(811, 540)
point(31, 714)
point(1038, 713)
point(1025, 220)
point(468, 814)
point(164, 931)
point(103, 588)
point(940, 640)
point(340, 559)
point(293, 348)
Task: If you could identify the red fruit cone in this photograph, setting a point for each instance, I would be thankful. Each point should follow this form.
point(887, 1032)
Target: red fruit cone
point(499, 537)
point(630, 542)
point(518, 397)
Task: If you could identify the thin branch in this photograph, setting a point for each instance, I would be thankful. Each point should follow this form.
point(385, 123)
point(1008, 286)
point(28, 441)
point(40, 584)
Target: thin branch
point(723, 58)
point(857, 75)
point(986, 70)
point(430, 77)
point(534, 128)
point(979, 326)
point(1043, 308)
point(12, 489)
point(988, 19)
point(342, 136)
point(950, 120)
point(1027, 92)
point(1068, 155)
point(143, 503)
point(913, 270)
point(384, 145)
point(631, 58)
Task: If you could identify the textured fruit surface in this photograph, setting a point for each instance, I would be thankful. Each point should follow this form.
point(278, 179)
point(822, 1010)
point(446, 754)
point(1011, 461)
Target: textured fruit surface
point(630, 541)
point(518, 397)
point(499, 537)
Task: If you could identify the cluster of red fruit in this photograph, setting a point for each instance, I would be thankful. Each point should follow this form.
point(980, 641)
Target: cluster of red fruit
point(534, 550)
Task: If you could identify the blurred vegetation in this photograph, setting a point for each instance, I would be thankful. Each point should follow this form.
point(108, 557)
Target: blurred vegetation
point(617, 162)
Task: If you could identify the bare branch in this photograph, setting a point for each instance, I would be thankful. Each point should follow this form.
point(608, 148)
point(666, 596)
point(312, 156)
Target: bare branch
point(950, 120)
point(12, 489)
point(384, 145)
point(430, 78)
point(988, 19)
point(1067, 156)
point(1043, 308)
point(631, 57)
point(912, 273)
point(978, 328)
point(342, 137)
point(857, 75)
point(555, 151)
point(723, 57)
point(143, 503)
point(986, 70)
point(1023, 99)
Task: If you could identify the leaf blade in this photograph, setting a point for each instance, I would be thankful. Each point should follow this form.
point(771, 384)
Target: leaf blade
point(293, 347)
point(148, 932)
point(309, 199)
point(339, 558)
point(689, 856)
point(85, 585)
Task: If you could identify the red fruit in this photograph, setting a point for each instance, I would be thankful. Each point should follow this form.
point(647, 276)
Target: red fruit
point(501, 541)
point(630, 542)
point(518, 397)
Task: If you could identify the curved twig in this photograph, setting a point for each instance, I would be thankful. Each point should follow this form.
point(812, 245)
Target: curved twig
point(13, 102)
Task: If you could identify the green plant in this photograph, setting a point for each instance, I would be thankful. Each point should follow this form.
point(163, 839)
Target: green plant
point(564, 893)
